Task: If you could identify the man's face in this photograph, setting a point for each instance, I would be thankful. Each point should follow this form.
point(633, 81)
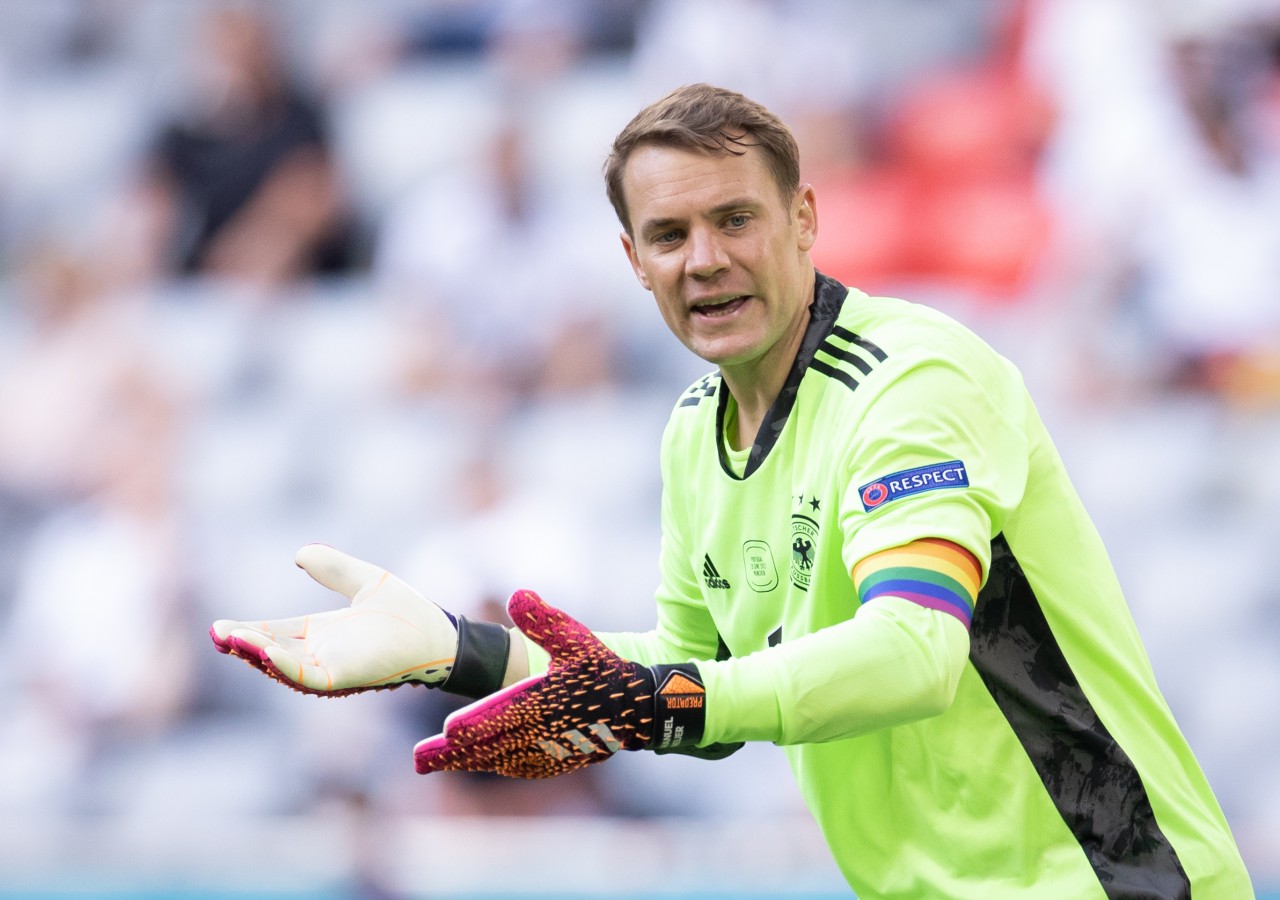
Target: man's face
point(724, 255)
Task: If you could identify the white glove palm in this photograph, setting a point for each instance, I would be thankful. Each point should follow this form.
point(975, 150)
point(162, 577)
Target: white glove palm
point(389, 635)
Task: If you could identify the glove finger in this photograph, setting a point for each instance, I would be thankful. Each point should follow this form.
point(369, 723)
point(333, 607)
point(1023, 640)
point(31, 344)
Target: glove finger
point(262, 633)
point(473, 734)
point(552, 629)
point(220, 632)
point(254, 655)
point(310, 675)
point(493, 717)
point(263, 653)
point(337, 570)
point(435, 754)
point(229, 643)
point(441, 754)
point(239, 641)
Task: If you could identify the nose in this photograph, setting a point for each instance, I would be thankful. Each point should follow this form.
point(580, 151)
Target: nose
point(707, 257)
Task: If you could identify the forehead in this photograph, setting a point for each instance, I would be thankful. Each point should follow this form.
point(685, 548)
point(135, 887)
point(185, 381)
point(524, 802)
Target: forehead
point(669, 182)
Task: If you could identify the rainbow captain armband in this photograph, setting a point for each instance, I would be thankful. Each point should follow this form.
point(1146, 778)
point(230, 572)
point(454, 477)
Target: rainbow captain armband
point(934, 573)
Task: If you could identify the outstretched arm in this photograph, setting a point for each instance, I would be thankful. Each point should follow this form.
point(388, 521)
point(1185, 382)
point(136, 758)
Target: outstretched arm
point(387, 636)
point(898, 659)
point(589, 704)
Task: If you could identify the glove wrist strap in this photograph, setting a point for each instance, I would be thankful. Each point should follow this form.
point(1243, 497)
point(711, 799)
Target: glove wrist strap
point(481, 660)
point(680, 706)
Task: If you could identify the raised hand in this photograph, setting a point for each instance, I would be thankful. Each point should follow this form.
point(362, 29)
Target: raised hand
point(589, 704)
point(387, 636)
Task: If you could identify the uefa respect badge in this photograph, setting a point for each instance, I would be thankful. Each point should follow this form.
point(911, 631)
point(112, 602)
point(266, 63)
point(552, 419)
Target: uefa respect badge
point(884, 490)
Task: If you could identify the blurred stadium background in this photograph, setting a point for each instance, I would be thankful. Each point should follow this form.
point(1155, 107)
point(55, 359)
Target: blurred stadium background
point(334, 271)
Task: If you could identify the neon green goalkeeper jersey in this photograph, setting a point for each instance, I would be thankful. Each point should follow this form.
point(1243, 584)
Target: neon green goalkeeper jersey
point(1056, 770)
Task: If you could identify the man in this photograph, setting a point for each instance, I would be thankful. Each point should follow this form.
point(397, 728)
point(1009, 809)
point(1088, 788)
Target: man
point(871, 556)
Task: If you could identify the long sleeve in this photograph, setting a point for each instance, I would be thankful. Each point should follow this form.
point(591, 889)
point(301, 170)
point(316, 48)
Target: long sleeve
point(893, 662)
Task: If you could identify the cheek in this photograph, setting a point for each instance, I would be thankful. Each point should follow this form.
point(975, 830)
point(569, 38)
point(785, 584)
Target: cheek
point(667, 303)
point(661, 277)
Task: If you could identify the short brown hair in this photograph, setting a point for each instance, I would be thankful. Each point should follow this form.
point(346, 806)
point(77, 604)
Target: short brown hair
point(709, 119)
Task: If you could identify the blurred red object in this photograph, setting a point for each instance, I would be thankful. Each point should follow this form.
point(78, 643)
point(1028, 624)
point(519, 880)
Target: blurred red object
point(954, 199)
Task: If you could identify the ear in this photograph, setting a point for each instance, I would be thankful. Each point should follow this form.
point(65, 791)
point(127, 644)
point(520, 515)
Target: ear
point(629, 245)
point(805, 212)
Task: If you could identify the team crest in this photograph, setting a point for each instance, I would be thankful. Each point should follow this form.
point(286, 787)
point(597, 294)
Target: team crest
point(804, 548)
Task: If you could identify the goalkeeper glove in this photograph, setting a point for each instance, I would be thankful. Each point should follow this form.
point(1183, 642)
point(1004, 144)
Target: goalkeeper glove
point(589, 704)
point(388, 636)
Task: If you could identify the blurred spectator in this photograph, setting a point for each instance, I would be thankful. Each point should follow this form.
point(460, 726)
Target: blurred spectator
point(491, 268)
point(89, 436)
point(514, 30)
point(72, 383)
point(1172, 188)
point(243, 185)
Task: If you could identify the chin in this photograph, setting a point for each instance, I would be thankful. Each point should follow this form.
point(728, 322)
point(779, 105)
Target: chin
point(722, 353)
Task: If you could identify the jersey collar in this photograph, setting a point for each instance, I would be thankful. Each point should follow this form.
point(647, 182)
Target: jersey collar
point(828, 298)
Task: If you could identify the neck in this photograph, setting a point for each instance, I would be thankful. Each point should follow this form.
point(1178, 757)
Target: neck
point(756, 385)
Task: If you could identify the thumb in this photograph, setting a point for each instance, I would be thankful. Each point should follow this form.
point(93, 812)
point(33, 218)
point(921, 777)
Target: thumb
point(555, 631)
point(336, 570)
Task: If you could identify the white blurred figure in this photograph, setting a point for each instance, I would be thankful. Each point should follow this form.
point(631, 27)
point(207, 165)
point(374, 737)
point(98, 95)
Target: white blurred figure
point(495, 271)
point(96, 650)
point(1174, 196)
point(763, 49)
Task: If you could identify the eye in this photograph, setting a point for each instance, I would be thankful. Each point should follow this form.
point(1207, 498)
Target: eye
point(666, 237)
point(737, 220)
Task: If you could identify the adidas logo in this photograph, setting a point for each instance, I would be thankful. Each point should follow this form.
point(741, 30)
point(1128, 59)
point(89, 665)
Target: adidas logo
point(581, 744)
point(712, 575)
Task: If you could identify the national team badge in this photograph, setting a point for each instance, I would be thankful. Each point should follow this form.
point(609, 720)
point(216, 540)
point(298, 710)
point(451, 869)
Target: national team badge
point(804, 548)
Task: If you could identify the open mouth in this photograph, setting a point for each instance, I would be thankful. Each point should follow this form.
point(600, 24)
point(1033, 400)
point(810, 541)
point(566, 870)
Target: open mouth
point(721, 307)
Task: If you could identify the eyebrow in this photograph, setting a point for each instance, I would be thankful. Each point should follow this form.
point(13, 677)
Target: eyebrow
point(719, 209)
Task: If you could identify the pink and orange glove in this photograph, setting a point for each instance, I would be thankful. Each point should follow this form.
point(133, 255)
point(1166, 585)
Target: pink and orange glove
point(389, 635)
point(588, 705)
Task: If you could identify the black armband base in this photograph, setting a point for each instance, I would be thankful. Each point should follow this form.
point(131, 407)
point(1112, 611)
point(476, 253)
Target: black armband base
point(481, 660)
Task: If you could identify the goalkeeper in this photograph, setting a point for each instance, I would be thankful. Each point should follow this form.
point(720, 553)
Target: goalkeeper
point(871, 556)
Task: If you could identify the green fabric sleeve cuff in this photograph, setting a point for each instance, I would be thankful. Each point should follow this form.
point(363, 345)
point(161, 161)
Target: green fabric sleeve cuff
point(742, 701)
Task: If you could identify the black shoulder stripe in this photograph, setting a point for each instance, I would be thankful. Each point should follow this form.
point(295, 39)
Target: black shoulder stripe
point(847, 335)
point(848, 350)
point(838, 374)
point(845, 355)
